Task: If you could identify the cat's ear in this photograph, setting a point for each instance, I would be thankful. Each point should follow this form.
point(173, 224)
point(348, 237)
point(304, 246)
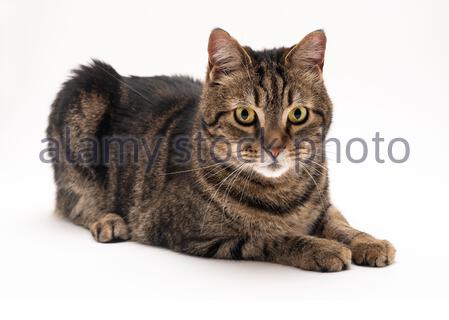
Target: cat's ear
point(226, 55)
point(309, 52)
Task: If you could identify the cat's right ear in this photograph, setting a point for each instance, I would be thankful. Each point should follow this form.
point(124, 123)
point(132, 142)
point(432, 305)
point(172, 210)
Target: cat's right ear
point(226, 55)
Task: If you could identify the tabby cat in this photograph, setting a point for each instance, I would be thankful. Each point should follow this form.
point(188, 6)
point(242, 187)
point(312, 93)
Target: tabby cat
point(233, 168)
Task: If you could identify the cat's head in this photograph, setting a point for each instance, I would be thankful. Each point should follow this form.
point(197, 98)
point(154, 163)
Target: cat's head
point(266, 110)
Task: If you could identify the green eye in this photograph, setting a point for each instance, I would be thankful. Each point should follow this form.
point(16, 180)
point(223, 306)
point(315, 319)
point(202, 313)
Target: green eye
point(245, 116)
point(298, 115)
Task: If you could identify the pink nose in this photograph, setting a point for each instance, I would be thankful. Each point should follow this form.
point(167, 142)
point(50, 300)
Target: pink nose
point(275, 151)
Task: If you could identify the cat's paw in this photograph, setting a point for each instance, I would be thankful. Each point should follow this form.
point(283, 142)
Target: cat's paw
point(109, 228)
point(327, 256)
point(374, 253)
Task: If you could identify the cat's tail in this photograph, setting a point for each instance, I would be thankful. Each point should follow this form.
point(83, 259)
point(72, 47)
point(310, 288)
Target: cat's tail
point(82, 111)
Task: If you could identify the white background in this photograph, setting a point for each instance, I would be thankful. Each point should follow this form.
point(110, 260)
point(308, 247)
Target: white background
point(386, 69)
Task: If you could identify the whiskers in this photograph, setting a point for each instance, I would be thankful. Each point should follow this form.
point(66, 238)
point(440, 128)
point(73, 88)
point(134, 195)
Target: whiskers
point(307, 165)
point(214, 197)
point(191, 170)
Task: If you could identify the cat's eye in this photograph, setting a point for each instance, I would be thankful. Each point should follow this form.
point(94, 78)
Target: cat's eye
point(245, 116)
point(298, 115)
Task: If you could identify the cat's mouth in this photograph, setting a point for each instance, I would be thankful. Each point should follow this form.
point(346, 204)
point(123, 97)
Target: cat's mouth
point(272, 170)
point(274, 166)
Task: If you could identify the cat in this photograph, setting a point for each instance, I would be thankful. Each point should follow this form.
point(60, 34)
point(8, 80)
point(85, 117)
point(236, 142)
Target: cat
point(259, 195)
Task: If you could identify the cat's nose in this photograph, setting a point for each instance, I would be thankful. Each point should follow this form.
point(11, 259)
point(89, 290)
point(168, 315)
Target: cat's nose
point(274, 141)
point(275, 151)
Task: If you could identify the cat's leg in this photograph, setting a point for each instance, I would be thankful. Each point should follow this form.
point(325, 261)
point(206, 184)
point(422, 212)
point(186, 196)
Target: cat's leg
point(366, 250)
point(305, 252)
point(85, 164)
point(88, 210)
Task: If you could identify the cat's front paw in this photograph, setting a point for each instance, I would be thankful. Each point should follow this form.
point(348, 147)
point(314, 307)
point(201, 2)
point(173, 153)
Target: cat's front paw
point(326, 256)
point(110, 228)
point(374, 253)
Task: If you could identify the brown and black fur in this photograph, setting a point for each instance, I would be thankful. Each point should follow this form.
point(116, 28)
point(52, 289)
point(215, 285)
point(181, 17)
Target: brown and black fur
point(203, 207)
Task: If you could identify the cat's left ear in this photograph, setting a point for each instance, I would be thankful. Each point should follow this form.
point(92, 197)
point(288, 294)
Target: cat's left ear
point(309, 52)
point(226, 55)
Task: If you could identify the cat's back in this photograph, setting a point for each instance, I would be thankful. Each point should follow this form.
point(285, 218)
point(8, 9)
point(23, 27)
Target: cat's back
point(163, 87)
point(158, 93)
point(98, 101)
point(158, 101)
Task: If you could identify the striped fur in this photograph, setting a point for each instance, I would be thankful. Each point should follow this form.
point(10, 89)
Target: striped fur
point(202, 206)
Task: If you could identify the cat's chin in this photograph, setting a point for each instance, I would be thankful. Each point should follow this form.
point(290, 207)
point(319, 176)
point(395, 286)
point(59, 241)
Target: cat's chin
point(271, 171)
